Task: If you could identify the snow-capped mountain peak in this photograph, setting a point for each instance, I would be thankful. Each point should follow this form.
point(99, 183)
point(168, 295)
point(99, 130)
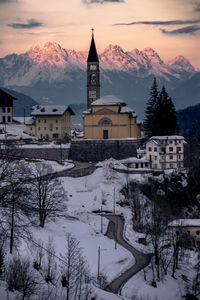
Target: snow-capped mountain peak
point(181, 62)
point(52, 63)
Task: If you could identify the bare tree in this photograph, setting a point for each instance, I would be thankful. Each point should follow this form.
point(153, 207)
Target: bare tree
point(74, 271)
point(20, 277)
point(48, 196)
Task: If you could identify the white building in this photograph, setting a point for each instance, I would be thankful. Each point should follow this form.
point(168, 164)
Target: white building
point(165, 152)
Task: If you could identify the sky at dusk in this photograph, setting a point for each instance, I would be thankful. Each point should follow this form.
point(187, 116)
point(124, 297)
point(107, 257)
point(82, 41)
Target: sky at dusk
point(170, 27)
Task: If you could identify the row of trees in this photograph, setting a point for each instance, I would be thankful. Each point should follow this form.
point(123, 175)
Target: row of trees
point(160, 113)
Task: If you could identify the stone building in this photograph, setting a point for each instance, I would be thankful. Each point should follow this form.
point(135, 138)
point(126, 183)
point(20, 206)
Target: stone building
point(110, 118)
point(51, 122)
point(6, 107)
point(165, 152)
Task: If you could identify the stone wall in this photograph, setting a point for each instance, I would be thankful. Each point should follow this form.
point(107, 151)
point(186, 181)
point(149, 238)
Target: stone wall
point(98, 150)
point(39, 153)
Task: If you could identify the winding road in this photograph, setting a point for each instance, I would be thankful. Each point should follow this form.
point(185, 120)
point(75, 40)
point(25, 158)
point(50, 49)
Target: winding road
point(115, 231)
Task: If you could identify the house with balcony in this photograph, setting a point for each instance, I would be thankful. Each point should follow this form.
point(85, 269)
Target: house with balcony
point(165, 152)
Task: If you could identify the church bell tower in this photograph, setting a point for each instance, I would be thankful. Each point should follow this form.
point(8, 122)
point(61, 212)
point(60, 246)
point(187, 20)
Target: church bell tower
point(93, 76)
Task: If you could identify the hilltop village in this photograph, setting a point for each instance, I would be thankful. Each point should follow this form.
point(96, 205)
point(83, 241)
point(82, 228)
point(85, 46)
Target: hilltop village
point(110, 129)
point(109, 213)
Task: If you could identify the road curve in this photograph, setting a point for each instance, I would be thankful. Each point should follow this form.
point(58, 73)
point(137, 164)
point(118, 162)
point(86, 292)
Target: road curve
point(115, 230)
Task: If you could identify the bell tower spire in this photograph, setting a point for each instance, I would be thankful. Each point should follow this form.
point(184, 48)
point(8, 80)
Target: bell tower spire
point(93, 76)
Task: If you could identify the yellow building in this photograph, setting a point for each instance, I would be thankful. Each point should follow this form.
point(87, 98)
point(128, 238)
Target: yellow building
point(51, 122)
point(110, 118)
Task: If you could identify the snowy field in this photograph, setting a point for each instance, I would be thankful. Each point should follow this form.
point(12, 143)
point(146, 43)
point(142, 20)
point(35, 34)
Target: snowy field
point(84, 196)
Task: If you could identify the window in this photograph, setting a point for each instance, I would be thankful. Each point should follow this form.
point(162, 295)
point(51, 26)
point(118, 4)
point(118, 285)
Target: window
point(105, 134)
point(31, 128)
point(105, 122)
point(8, 109)
point(155, 166)
point(45, 128)
point(171, 157)
point(45, 121)
point(171, 149)
point(171, 142)
point(146, 164)
point(149, 149)
point(56, 128)
point(55, 135)
point(39, 128)
point(4, 119)
point(155, 157)
point(163, 149)
point(179, 156)
point(56, 121)
point(171, 166)
point(163, 157)
point(197, 232)
point(155, 149)
point(4, 110)
point(178, 148)
point(9, 120)
point(38, 121)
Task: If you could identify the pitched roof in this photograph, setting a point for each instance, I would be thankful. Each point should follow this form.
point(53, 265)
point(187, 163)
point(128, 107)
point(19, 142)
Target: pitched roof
point(4, 93)
point(167, 137)
point(55, 110)
point(92, 56)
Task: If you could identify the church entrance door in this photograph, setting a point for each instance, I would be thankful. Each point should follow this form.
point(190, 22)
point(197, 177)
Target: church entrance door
point(105, 134)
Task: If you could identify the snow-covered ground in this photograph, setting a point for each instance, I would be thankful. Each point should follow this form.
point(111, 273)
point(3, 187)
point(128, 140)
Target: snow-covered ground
point(85, 195)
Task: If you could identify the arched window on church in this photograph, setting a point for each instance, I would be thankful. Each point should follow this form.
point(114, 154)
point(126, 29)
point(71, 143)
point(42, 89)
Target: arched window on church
point(105, 122)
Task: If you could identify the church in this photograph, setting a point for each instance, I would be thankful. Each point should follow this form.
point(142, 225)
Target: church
point(106, 117)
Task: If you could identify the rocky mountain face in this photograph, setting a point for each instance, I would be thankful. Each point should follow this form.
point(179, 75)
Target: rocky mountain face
point(52, 74)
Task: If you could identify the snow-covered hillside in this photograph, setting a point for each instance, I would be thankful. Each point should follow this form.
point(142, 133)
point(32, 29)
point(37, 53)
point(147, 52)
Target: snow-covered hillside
point(84, 196)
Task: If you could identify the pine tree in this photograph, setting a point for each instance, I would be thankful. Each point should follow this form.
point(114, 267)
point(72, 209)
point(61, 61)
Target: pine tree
point(160, 113)
point(165, 115)
point(149, 124)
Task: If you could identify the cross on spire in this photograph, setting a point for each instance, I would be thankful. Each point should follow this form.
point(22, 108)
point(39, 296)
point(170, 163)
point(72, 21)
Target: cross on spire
point(92, 32)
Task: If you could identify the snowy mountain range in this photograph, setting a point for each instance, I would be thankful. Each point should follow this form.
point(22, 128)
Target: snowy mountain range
point(53, 74)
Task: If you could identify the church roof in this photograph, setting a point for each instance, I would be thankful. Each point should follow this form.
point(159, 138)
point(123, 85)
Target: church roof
point(108, 100)
point(92, 56)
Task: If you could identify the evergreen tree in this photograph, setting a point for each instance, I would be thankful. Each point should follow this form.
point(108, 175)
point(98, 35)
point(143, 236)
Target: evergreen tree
point(165, 115)
point(149, 124)
point(160, 113)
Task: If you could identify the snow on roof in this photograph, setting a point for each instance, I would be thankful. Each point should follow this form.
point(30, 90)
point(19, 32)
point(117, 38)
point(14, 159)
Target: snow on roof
point(139, 150)
point(167, 137)
point(108, 100)
point(56, 110)
point(87, 112)
point(133, 160)
point(30, 121)
point(185, 223)
point(126, 109)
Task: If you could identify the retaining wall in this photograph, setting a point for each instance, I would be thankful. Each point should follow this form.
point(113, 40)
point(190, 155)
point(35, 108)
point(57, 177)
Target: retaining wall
point(98, 150)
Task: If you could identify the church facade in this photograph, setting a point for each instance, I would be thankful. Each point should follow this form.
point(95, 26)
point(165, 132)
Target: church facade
point(107, 117)
point(110, 118)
